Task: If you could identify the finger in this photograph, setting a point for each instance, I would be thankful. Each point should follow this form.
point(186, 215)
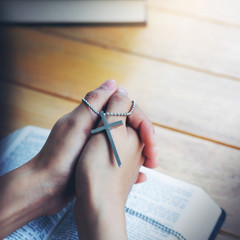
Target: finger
point(140, 122)
point(151, 156)
point(141, 177)
point(119, 103)
point(151, 162)
point(144, 127)
point(98, 99)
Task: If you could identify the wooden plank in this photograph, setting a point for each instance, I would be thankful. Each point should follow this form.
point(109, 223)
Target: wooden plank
point(221, 12)
point(172, 96)
point(20, 107)
point(175, 39)
point(226, 236)
point(211, 166)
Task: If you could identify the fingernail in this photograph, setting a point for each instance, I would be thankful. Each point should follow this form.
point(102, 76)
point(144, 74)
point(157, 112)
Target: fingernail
point(109, 84)
point(122, 90)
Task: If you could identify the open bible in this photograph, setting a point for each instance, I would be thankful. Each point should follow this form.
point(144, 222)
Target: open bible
point(161, 208)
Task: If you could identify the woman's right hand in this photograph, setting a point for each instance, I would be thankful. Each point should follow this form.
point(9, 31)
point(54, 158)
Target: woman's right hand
point(102, 187)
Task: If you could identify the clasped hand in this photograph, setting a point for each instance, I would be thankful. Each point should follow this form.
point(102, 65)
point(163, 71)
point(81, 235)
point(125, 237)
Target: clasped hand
point(74, 163)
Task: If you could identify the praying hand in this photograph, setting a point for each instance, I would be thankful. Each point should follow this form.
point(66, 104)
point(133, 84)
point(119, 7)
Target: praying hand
point(74, 163)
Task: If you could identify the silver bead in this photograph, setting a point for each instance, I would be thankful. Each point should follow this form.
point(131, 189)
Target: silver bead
point(111, 114)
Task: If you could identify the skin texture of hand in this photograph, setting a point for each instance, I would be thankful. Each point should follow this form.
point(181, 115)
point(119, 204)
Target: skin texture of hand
point(65, 144)
point(102, 187)
point(50, 174)
point(69, 136)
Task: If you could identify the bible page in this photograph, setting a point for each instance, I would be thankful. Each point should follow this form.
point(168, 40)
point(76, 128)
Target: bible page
point(38, 229)
point(20, 146)
point(166, 208)
point(67, 229)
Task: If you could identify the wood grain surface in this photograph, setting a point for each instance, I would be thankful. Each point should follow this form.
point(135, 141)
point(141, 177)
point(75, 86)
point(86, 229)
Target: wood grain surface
point(171, 96)
point(170, 38)
point(224, 12)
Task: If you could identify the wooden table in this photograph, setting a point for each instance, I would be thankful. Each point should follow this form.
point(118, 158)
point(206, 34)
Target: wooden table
point(183, 69)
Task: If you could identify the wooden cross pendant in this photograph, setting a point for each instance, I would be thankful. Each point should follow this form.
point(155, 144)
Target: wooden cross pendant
point(107, 127)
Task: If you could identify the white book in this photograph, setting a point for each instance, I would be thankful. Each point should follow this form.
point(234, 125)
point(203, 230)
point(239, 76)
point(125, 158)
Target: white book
point(162, 208)
point(73, 11)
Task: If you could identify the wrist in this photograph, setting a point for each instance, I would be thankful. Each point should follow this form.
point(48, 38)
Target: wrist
point(22, 197)
point(100, 222)
point(33, 192)
point(99, 209)
point(54, 195)
point(42, 186)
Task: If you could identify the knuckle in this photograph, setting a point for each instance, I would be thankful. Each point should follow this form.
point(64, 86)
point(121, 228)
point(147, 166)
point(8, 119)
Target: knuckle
point(92, 96)
point(60, 122)
point(71, 122)
point(67, 122)
point(120, 98)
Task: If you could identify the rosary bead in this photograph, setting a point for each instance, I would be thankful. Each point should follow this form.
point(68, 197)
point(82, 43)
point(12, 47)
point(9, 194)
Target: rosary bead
point(111, 114)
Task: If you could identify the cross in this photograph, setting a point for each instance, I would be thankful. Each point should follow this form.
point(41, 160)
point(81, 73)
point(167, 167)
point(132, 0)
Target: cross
point(107, 127)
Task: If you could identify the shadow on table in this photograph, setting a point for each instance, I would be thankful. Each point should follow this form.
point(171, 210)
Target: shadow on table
point(6, 66)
